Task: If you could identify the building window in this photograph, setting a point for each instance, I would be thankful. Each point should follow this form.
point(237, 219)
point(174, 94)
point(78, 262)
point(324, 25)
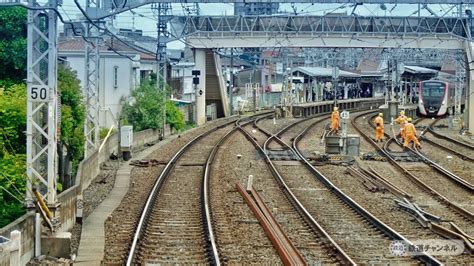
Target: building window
point(115, 77)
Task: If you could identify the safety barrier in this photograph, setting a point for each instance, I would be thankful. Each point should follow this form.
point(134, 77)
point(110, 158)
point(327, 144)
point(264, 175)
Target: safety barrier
point(10, 249)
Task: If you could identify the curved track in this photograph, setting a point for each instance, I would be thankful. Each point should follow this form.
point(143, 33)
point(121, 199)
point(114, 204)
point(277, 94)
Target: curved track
point(174, 225)
point(423, 193)
point(334, 210)
point(315, 243)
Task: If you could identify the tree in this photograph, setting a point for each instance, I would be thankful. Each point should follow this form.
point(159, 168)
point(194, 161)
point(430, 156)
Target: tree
point(72, 115)
point(145, 111)
point(13, 119)
point(13, 30)
point(174, 116)
point(12, 149)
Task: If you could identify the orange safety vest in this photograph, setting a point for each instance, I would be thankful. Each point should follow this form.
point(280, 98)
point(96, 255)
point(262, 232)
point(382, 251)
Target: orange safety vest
point(410, 129)
point(335, 115)
point(379, 121)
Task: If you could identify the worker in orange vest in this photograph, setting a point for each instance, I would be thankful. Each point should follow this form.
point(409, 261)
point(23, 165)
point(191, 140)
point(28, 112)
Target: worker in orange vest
point(379, 127)
point(410, 134)
point(401, 119)
point(335, 120)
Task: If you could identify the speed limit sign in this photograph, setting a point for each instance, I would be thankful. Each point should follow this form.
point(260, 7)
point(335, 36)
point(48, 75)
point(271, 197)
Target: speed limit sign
point(38, 93)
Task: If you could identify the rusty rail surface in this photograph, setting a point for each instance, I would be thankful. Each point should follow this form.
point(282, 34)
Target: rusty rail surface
point(286, 250)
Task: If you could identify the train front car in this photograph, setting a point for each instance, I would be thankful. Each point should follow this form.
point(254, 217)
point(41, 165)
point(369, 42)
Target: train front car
point(433, 98)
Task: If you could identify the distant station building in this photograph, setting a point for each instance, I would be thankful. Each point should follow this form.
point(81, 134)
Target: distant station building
point(316, 84)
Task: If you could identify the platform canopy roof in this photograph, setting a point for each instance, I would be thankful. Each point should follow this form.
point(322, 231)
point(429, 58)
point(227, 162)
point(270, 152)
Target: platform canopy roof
point(420, 70)
point(324, 72)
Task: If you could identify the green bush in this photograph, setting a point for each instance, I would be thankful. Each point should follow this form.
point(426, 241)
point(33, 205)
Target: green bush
point(174, 116)
point(146, 111)
point(103, 132)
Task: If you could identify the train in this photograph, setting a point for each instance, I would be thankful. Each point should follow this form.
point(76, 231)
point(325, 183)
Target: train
point(435, 97)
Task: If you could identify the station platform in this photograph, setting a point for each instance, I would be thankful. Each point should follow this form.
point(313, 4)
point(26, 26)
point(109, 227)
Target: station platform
point(312, 108)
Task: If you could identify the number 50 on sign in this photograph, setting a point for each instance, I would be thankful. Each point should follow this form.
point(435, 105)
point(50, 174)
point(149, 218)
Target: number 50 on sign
point(38, 93)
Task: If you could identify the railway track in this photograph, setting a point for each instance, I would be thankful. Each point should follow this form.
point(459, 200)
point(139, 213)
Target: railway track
point(334, 213)
point(450, 188)
point(121, 226)
point(381, 203)
point(461, 150)
point(423, 193)
point(309, 237)
point(458, 143)
point(174, 226)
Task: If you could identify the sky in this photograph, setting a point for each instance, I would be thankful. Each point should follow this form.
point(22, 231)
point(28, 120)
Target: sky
point(144, 19)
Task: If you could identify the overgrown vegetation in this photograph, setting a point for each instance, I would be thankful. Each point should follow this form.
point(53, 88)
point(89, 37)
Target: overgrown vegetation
point(72, 115)
point(12, 152)
point(13, 113)
point(174, 116)
point(12, 45)
point(145, 109)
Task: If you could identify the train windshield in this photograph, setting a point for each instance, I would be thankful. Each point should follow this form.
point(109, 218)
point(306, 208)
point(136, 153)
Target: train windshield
point(433, 89)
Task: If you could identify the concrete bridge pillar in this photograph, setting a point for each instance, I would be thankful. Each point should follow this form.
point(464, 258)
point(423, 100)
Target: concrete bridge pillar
point(469, 106)
point(200, 61)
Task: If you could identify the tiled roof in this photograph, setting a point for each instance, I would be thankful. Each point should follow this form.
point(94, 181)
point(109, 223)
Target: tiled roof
point(77, 45)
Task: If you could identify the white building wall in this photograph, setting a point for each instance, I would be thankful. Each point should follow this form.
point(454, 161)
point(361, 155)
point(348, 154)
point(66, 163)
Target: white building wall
point(110, 91)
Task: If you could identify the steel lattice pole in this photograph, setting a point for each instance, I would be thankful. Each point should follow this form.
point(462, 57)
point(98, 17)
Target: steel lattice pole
point(42, 107)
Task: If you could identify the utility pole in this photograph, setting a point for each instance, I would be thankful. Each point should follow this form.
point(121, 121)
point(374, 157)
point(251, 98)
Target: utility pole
point(335, 76)
point(42, 105)
point(91, 82)
point(164, 16)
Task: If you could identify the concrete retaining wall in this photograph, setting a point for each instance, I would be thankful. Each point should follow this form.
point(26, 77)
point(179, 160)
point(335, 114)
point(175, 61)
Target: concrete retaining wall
point(88, 169)
point(26, 225)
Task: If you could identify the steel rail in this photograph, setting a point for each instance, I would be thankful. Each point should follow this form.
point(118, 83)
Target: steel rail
point(441, 136)
point(465, 213)
point(387, 230)
point(458, 180)
point(434, 143)
point(155, 190)
point(213, 250)
point(285, 249)
point(448, 149)
point(341, 254)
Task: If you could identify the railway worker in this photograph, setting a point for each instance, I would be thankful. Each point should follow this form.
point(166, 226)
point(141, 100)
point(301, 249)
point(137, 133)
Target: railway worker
point(379, 127)
point(410, 134)
point(335, 120)
point(402, 119)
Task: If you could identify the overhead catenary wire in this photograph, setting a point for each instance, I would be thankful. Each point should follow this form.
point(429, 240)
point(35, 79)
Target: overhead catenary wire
point(107, 31)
